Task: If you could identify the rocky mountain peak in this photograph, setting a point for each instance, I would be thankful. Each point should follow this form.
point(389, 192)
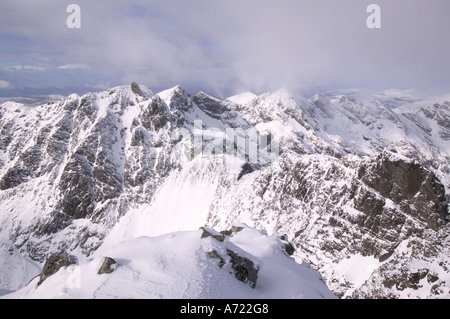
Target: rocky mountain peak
point(136, 89)
point(177, 98)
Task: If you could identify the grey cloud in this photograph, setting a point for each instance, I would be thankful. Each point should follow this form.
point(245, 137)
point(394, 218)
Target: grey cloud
point(232, 45)
point(5, 85)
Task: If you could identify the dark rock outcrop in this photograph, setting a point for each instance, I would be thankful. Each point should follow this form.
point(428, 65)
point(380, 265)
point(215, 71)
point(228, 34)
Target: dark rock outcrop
point(156, 115)
point(77, 187)
point(214, 254)
point(12, 178)
point(55, 263)
point(211, 106)
point(287, 245)
point(247, 168)
point(108, 266)
point(244, 269)
point(136, 89)
point(416, 190)
point(208, 232)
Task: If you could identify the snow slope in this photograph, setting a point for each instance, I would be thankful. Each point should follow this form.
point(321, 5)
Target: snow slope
point(242, 98)
point(177, 265)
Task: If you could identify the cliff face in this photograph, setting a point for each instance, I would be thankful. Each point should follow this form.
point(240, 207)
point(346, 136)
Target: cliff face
point(334, 216)
point(417, 191)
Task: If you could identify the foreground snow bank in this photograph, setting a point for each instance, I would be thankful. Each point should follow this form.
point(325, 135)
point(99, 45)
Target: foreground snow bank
point(182, 265)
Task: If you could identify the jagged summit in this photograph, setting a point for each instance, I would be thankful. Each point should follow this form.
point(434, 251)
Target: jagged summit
point(136, 89)
point(167, 94)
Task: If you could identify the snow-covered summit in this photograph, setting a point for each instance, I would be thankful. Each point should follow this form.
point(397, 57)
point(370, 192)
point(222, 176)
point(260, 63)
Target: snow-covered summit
point(170, 96)
point(186, 265)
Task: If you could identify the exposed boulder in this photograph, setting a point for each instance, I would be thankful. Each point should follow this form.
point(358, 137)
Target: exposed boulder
point(208, 232)
point(244, 269)
point(108, 266)
point(214, 254)
point(234, 229)
point(55, 263)
point(287, 246)
point(237, 228)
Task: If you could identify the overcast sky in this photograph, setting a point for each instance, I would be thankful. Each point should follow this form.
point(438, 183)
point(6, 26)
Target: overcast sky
point(223, 46)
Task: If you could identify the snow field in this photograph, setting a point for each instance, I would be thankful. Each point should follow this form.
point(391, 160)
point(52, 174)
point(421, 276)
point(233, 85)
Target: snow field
point(177, 265)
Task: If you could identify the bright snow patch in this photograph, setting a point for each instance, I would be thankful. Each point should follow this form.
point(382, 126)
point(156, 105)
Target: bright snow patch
point(357, 269)
point(242, 98)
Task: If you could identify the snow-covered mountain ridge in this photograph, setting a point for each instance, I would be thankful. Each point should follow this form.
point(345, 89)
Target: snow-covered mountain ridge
point(185, 265)
point(350, 180)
